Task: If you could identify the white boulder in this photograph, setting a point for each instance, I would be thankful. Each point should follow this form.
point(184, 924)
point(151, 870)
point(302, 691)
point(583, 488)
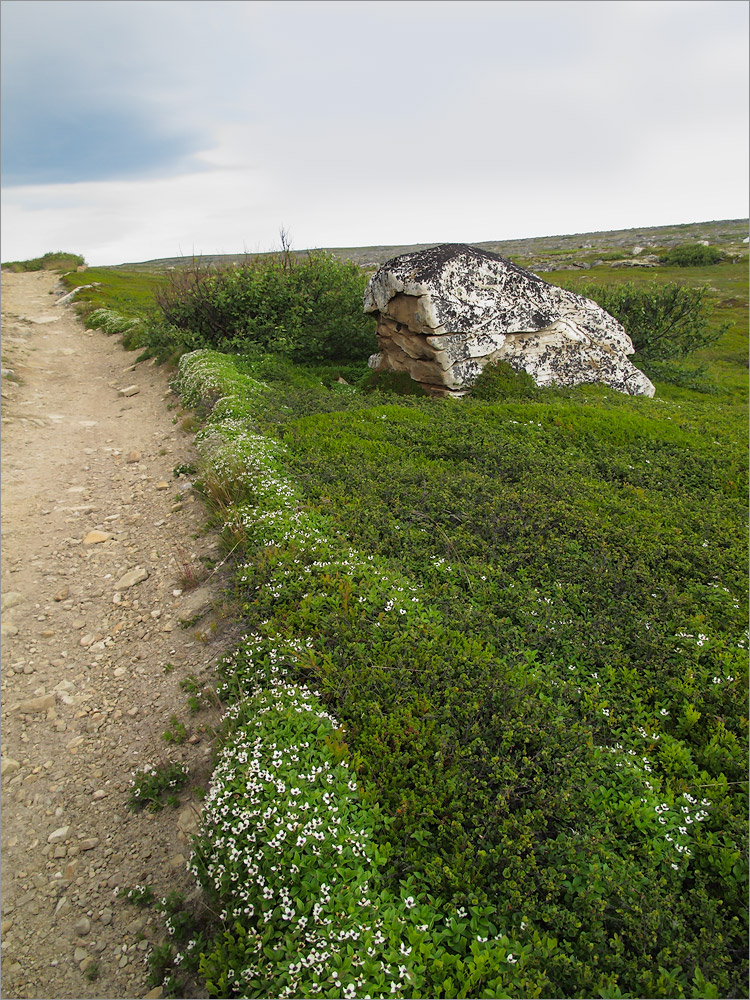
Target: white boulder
point(444, 313)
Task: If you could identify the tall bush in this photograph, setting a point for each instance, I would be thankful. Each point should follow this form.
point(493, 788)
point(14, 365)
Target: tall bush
point(665, 322)
point(309, 310)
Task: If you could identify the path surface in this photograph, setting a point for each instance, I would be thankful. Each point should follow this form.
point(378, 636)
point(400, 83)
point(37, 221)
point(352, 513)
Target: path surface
point(86, 688)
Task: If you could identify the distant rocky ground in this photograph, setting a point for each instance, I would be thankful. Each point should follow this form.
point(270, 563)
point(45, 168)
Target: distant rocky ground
point(539, 253)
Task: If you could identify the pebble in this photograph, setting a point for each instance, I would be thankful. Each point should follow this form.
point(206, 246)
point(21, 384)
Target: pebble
point(58, 835)
point(82, 927)
point(9, 765)
point(11, 600)
point(96, 536)
point(130, 390)
point(131, 578)
point(34, 705)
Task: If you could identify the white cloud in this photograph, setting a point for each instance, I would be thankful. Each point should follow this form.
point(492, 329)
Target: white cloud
point(380, 122)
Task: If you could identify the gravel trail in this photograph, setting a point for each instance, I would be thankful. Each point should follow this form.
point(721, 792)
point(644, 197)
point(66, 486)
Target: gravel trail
point(92, 663)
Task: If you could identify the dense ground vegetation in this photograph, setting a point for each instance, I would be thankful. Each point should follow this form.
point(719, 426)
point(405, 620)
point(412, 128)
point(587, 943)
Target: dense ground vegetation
point(487, 730)
point(57, 260)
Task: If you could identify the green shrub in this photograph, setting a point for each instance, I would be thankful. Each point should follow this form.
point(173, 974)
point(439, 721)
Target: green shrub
point(152, 786)
point(57, 260)
point(501, 380)
point(308, 310)
point(692, 255)
point(695, 378)
point(665, 322)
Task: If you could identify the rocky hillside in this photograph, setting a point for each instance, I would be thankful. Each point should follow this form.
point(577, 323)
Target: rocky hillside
point(539, 253)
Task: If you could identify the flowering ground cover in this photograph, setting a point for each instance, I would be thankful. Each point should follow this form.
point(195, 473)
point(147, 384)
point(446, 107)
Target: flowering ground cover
point(525, 623)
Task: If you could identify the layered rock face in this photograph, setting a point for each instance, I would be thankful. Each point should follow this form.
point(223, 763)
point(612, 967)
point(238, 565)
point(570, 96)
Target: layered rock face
point(444, 313)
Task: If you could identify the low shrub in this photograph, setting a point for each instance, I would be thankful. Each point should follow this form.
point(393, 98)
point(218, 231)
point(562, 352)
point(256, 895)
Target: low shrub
point(692, 255)
point(309, 310)
point(153, 786)
point(526, 643)
point(501, 380)
point(58, 260)
point(665, 322)
point(131, 329)
point(694, 377)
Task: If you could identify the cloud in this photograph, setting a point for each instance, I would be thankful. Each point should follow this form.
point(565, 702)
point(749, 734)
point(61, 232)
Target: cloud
point(143, 127)
point(67, 145)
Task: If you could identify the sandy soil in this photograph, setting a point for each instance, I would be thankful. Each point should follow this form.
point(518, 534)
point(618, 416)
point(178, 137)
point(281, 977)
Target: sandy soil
point(91, 668)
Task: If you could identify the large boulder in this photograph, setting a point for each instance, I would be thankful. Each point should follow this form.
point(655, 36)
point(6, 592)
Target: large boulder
point(444, 313)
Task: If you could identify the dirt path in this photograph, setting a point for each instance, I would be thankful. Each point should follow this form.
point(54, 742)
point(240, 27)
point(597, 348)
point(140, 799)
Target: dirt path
point(87, 690)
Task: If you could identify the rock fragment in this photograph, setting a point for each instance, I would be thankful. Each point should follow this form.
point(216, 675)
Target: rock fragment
point(95, 537)
point(131, 578)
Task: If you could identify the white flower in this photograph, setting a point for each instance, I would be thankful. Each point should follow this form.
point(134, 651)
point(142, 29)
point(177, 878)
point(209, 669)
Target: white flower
point(512, 958)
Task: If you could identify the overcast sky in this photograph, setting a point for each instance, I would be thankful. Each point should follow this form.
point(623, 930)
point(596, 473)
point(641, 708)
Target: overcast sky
point(142, 129)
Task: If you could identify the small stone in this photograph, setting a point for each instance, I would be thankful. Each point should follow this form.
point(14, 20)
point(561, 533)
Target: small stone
point(11, 600)
point(5, 926)
point(162, 485)
point(63, 905)
point(82, 927)
point(34, 705)
point(89, 843)
point(98, 794)
point(133, 456)
point(131, 578)
point(8, 629)
point(61, 595)
point(130, 390)
point(58, 835)
point(8, 765)
point(106, 917)
point(154, 994)
point(95, 537)
point(80, 954)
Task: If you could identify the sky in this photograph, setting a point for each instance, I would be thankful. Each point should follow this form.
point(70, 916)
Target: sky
point(142, 129)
